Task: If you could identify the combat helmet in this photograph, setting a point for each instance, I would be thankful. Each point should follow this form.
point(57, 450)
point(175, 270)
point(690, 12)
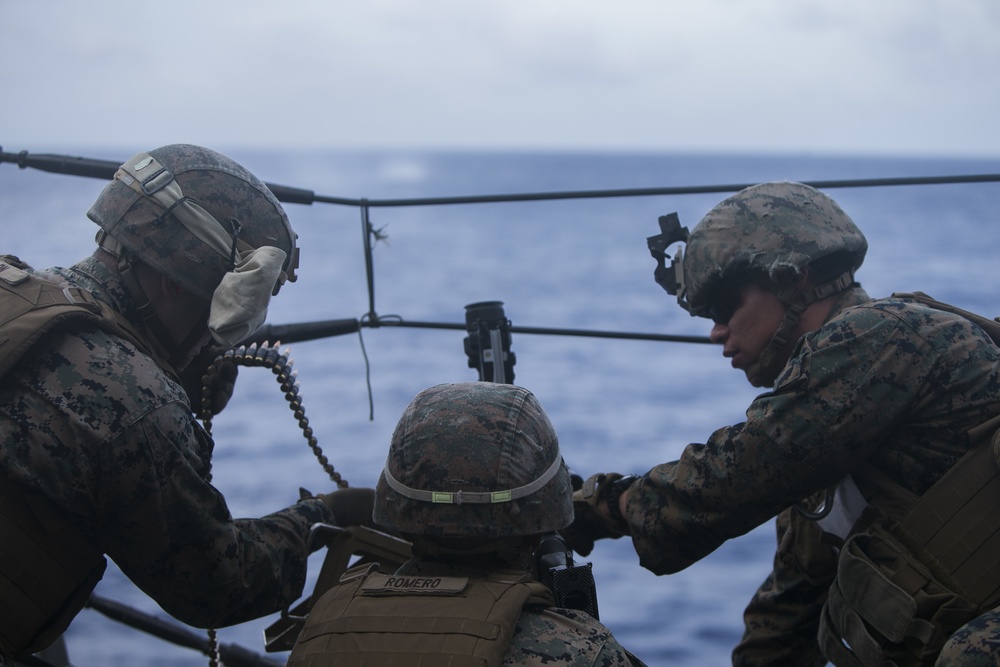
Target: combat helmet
point(772, 231)
point(769, 233)
point(474, 461)
point(194, 216)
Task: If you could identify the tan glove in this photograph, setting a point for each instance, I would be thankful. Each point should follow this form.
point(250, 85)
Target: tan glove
point(592, 518)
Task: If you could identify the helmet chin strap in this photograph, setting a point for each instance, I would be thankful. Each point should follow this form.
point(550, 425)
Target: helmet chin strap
point(177, 355)
point(766, 369)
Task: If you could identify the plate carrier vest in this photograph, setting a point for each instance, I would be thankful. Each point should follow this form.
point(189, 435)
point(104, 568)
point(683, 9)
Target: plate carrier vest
point(48, 567)
point(380, 620)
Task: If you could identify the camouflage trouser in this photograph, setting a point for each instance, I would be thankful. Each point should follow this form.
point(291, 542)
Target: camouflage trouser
point(975, 644)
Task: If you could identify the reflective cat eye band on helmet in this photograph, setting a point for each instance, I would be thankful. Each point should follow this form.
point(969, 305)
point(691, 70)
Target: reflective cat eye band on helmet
point(480, 497)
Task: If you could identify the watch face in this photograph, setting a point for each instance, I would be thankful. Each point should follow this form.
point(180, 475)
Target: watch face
point(613, 497)
point(621, 484)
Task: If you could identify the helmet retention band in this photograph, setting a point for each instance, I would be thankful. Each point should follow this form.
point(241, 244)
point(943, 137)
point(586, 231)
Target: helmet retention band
point(475, 497)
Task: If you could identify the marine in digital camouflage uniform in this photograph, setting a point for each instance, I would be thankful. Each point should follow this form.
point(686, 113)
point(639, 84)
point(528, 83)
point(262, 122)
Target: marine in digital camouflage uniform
point(474, 478)
point(97, 431)
point(878, 394)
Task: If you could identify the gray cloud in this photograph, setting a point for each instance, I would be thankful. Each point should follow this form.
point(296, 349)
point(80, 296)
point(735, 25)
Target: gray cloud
point(897, 76)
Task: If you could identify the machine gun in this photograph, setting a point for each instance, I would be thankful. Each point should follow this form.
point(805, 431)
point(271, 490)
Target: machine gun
point(488, 348)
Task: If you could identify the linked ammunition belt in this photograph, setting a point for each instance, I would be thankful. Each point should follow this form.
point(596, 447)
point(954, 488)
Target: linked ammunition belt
point(268, 356)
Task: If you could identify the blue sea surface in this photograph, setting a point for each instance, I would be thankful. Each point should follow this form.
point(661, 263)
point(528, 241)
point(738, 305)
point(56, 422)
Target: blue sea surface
point(618, 405)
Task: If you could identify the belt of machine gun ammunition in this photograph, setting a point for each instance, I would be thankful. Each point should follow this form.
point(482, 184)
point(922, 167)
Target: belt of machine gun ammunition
point(268, 356)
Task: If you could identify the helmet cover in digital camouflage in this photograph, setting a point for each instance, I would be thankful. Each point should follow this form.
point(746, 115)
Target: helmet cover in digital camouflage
point(773, 230)
point(218, 185)
point(474, 460)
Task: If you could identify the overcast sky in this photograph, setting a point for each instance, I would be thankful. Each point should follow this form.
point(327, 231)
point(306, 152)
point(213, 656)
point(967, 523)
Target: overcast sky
point(817, 76)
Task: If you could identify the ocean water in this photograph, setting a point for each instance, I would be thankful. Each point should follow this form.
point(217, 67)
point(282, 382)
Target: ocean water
point(619, 405)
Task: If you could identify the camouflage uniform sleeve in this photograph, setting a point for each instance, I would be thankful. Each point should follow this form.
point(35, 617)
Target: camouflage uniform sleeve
point(99, 429)
point(556, 636)
point(172, 534)
point(782, 619)
point(846, 390)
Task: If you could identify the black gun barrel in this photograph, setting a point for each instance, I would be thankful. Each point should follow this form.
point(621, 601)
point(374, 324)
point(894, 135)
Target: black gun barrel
point(303, 331)
point(105, 169)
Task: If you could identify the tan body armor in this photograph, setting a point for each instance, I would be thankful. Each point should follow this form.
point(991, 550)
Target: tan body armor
point(48, 568)
point(904, 586)
point(377, 620)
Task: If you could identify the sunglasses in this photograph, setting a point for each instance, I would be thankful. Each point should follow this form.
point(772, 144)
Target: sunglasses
point(726, 298)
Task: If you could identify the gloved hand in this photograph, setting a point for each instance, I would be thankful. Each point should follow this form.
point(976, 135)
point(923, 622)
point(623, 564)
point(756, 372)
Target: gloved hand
point(223, 382)
point(591, 517)
point(351, 507)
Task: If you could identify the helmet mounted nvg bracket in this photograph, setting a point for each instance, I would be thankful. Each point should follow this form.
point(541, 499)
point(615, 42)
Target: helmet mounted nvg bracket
point(670, 278)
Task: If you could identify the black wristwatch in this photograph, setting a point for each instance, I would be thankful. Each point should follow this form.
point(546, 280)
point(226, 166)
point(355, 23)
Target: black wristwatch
point(613, 496)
